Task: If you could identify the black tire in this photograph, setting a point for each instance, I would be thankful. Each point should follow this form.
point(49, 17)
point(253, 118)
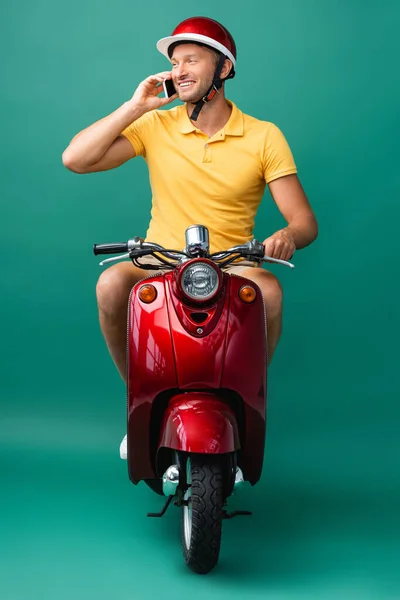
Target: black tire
point(201, 540)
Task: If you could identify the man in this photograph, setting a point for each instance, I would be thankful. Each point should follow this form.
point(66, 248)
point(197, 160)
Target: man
point(208, 162)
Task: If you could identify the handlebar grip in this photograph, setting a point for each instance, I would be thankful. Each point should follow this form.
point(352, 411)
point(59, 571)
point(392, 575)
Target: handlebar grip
point(110, 248)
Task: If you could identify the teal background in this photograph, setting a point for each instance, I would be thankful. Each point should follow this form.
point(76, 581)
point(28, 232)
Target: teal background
point(326, 512)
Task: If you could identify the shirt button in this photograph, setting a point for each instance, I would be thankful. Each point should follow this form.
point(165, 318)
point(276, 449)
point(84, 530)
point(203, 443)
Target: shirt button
point(206, 146)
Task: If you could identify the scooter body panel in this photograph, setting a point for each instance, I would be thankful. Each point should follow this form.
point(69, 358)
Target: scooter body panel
point(199, 422)
point(167, 353)
point(151, 370)
point(199, 349)
point(245, 371)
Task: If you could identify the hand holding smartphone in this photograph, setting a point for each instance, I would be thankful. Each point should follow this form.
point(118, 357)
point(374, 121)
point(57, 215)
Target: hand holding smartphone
point(169, 89)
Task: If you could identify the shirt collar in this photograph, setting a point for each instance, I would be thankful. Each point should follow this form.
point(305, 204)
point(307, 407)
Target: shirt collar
point(234, 125)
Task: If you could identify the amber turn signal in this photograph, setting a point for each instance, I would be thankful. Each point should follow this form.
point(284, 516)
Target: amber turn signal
point(247, 294)
point(147, 293)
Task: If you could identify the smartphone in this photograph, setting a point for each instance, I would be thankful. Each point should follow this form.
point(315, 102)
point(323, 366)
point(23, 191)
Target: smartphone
point(169, 88)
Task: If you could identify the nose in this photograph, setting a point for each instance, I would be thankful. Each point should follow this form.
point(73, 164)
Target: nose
point(180, 70)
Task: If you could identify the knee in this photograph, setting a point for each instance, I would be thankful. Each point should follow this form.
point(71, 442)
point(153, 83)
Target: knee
point(111, 291)
point(273, 294)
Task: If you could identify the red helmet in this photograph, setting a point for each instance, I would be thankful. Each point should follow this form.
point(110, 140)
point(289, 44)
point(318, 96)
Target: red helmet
point(203, 30)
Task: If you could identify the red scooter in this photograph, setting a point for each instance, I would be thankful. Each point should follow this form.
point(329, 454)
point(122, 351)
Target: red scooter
point(197, 382)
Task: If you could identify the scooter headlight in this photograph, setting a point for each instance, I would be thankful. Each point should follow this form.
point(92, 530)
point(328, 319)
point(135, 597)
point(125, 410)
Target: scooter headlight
point(200, 281)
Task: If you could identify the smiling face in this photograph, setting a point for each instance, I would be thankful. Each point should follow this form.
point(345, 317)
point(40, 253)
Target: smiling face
point(193, 69)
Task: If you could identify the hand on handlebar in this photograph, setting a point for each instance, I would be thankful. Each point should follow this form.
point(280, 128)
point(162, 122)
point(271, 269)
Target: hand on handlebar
point(280, 245)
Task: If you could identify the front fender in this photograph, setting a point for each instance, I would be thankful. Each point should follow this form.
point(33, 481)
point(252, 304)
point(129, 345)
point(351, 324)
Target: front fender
point(199, 422)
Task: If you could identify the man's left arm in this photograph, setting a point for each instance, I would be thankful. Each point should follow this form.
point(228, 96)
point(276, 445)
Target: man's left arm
point(302, 228)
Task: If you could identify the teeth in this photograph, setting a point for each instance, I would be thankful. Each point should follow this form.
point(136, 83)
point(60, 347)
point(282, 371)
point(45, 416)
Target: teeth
point(186, 84)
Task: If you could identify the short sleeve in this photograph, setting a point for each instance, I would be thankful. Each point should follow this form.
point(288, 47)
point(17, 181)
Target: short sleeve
point(138, 132)
point(278, 158)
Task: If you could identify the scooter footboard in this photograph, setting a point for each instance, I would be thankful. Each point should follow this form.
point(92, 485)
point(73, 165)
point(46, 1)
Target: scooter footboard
point(199, 422)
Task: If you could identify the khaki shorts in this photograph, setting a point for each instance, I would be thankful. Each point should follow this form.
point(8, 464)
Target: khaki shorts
point(233, 268)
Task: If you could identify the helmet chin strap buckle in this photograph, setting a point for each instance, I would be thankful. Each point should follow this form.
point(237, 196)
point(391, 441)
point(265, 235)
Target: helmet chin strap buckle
point(213, 91)
point(211, 94)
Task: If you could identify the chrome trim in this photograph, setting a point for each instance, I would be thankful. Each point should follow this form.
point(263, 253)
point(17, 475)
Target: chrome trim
point(239, 476)
point(113, 259)
point(197, 240)
point(240, 484)
point(135, 244)
point(278, 260)
point(170, 480)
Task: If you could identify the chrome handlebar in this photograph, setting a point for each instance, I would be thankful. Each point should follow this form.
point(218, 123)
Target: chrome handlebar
point(139, 248)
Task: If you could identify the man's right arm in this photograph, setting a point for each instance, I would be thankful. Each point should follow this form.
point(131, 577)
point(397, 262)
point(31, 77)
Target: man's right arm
point(101, 146)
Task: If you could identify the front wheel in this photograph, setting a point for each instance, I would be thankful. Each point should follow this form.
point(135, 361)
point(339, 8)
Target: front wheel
point(202, 512)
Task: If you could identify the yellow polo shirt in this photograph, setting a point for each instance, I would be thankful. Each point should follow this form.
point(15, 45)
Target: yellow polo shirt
point(217, 182)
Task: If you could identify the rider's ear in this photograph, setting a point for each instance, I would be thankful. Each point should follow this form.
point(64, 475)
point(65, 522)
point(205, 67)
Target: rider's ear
point(226, 69)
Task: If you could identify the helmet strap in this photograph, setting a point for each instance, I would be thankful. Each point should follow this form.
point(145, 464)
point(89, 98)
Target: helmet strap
point(213, 89)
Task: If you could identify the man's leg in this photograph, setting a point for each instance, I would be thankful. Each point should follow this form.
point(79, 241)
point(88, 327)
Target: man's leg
point(272, 292)
point(113, 289)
